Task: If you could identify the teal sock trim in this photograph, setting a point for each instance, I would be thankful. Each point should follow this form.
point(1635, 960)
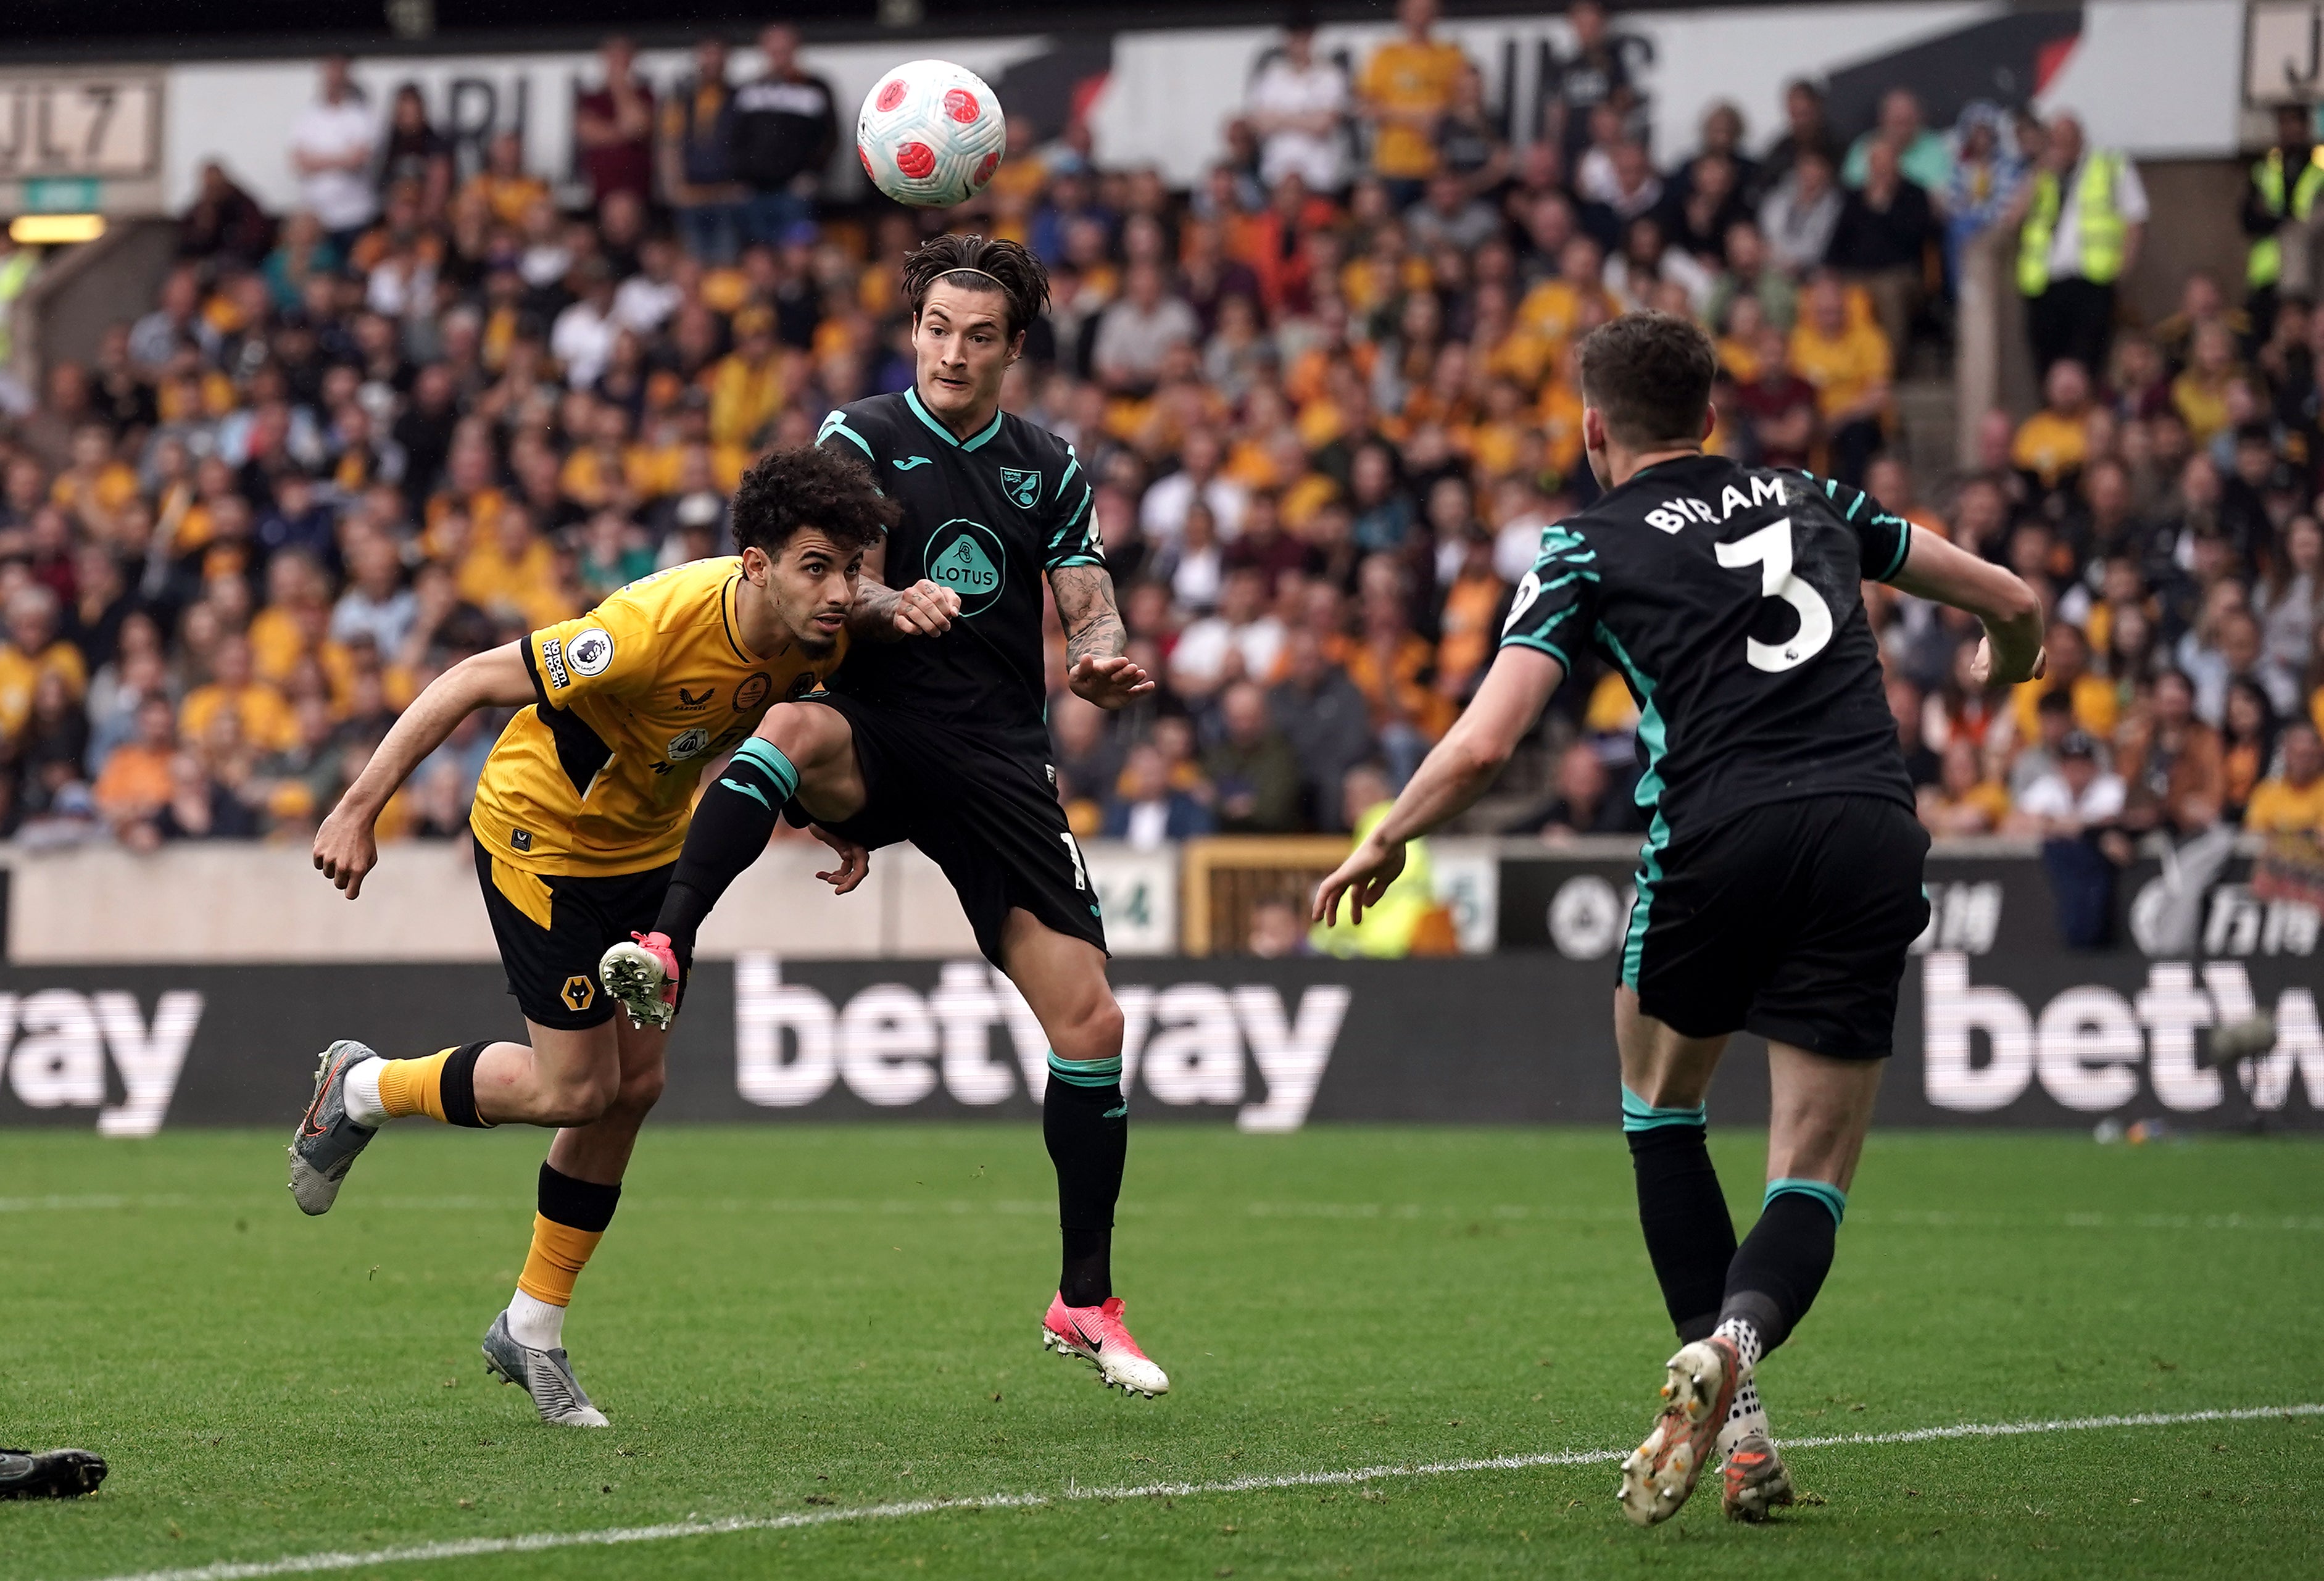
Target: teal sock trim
point(770, 761)
point(1637, 1115)
point(1090, 1073)
point(1834, 1199)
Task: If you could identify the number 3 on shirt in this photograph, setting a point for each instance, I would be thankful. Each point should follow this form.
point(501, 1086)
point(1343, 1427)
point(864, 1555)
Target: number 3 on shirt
point(1770, 549)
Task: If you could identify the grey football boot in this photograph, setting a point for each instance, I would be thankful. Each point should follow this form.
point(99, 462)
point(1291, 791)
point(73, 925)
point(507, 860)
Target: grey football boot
point(323, 1147)
point(547, 1375)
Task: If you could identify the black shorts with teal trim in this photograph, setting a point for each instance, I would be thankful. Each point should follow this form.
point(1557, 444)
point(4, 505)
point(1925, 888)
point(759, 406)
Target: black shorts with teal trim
point(984, 807)
point(1791, 919)
point(552, 970)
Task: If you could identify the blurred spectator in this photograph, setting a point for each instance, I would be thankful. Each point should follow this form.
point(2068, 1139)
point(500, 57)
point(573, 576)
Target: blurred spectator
point(2082, 216)
point(613, 126)
point(1920, 154)
point(2077, 797)
point(1252, 767)
point(1137, 334)
point(1594, 75)
point(2282, 186)
point(224, 222)
point(1962, 801)
point(697, 157)
point(785, 128)
point(2172, 763)
point(1848, 360)
point(1325, 717)
point(1407, 86)
point(1988, 168)
point(138, 779)
point(1146, 811)
point(1801, 212)
point(1806, 131)
point(1298, 106)
point(1278, 930)
point(415, 154)
point(1585, 800)
point(1881, 242)
point(1242, 639)
point(333, 148)
point(2292, 801)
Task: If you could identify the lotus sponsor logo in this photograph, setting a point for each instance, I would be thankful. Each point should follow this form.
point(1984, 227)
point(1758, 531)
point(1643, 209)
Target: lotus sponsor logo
point(57, 1044)
point(972, 1036)
point(2095, 1049)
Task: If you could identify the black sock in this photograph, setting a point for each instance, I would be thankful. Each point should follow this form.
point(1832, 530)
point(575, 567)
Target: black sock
point(1087, 1129)
point(580, 1205)
point(1781, 1265)
point(459, 1087)
point(1690, 1238)
point(732, 826)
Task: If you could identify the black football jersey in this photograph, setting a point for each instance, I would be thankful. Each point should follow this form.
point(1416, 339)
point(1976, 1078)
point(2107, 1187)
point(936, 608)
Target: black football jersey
point(989, 516)
point(1728, 597)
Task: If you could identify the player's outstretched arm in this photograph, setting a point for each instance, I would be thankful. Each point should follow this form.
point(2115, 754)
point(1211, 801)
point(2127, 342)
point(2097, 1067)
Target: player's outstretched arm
point(2011, 649)
point(344, 848)
point(1457, 771)
point(881, 614)
point(1095, 637)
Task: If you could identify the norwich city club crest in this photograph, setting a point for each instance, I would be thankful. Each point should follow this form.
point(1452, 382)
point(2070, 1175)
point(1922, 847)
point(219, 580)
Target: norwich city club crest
point(1024, 487)
point(967, 558)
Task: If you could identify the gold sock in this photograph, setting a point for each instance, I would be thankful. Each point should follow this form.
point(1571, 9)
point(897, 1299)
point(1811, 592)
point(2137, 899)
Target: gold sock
point(559, 1252)
point(414, 1087)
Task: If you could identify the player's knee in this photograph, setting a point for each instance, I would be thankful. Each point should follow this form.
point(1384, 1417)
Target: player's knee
point(579, 1097)
point(1094, 1032)
point(641, 1089)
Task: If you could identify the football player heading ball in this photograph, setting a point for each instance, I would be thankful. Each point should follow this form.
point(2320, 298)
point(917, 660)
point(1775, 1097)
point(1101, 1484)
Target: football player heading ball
point(942, 742)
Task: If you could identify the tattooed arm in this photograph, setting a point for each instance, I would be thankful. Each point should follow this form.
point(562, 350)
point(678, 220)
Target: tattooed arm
point(1094, 638)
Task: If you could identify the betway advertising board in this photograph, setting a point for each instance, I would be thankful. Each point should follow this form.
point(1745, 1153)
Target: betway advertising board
point(1269, 1046)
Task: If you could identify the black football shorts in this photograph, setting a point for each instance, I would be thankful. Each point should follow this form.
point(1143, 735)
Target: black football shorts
point(984, 810)
point(1792, 920)
point(552, 929)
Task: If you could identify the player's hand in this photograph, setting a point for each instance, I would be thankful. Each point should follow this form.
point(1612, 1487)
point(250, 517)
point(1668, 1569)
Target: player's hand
point(1108, 682)
point(855, 861)
point(1980, 667)
point(1363, 878)
point(345, 850)
point(925, 609)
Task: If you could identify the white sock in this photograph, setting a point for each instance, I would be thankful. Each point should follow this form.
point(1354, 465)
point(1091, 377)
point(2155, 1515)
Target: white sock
point(363, 1105)
point(535, 1323)
point(1745, 1417)
point(1745, 1336)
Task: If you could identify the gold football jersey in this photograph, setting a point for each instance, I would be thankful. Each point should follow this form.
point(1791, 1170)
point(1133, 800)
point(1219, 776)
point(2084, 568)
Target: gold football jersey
point(635, 696)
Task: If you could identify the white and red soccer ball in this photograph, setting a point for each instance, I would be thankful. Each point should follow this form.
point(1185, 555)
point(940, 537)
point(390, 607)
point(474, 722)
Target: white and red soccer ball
point(931, 133)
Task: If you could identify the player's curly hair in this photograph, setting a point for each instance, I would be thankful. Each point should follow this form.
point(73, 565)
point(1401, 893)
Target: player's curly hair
point(1649, 376)
point(810, 487)
point(974, 262)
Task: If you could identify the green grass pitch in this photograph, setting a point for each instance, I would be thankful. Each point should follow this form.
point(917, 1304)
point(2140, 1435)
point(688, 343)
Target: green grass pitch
point(812, 1321)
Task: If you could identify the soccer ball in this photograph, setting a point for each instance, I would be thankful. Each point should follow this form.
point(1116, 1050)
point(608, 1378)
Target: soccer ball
point(930, 133)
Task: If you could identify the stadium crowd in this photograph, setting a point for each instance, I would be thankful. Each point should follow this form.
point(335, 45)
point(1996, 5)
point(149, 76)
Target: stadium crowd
point(1326, 396)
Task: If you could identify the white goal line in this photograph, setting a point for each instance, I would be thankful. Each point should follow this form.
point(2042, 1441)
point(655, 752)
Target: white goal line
point(535, 1542)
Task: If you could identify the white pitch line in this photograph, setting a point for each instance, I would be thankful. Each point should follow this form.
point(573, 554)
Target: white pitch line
point(611, 1537)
